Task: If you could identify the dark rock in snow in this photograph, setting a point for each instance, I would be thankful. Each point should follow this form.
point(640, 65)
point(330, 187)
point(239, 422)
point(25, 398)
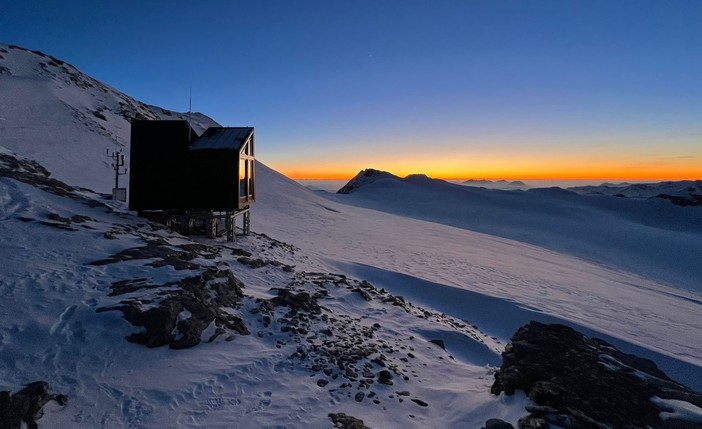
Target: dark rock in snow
point(252, 262)
point(301, 301)
point(419, 402)
point(180, 319)
point(240, 252)
point(439, 343)
point(583, 382)
point(497, 424)
point(385, 377)
point(33, 173)
point(343, 421)
point(26, 405)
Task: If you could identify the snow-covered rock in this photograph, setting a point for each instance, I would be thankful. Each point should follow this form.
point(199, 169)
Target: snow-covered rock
point(578, 381)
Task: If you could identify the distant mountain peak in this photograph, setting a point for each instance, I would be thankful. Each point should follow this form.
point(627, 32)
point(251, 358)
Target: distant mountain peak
point(365, 177)
point(497, 184)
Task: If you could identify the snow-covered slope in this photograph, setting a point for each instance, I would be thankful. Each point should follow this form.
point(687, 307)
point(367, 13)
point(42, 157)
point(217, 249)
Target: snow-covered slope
point(651, 237)
point(71, 262)
point(66, 120)
point(74, 264)
point(459, 271)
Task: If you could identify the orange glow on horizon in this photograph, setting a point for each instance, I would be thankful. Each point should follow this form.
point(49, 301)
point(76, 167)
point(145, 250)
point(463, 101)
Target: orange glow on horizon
point(496, 159)
point(594, 173)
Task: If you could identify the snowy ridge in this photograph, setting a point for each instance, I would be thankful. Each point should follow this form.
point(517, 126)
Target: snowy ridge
point(70, 118)
point(366, 177)
point(684, 193)
point(496, 184)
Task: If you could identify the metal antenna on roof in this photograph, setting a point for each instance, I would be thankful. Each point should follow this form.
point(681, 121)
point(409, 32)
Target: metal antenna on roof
point(190, 112)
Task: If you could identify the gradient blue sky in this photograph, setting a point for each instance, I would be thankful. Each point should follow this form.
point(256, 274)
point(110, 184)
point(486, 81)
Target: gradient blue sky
point(499, 89)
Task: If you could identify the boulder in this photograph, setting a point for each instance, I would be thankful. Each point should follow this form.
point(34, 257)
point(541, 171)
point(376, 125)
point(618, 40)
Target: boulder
point(583, 382)
point(25, 406)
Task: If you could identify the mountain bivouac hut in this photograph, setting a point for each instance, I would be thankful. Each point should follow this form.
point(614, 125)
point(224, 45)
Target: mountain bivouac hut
point(190, 182)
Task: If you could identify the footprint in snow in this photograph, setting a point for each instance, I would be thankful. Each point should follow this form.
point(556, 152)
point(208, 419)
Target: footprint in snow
point(63, 319)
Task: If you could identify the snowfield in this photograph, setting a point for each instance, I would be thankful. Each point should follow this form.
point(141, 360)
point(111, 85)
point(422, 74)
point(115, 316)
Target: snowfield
point(336, 289)
point(398, 252)
point(53, 332)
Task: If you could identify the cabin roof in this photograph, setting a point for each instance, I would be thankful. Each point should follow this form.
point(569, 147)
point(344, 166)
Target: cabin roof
point(231, 138)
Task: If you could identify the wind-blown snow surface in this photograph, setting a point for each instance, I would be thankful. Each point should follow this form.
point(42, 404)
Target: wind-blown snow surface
point(52, 331)
point(460, 272)
point(651, 237)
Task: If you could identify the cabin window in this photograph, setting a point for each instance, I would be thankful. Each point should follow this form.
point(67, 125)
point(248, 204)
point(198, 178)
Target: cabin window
point(243, 178)
point(251, 179)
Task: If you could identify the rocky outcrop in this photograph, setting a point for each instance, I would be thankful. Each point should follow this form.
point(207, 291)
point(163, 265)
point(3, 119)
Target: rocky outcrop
point(343, 421)
point(193, 310)
point(582, 382)
point(26, 405)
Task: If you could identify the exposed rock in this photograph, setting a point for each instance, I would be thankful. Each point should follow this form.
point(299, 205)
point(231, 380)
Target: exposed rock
point(385, 377)
point(26, 405)
point(497, 424)
point(252, 262)
point(419, 402)
point(240, 252)
point(583, 382)
point(186, 311)
point(690, 200)
point(342, 421)
point(164, 254)
point(33, 173)
point(301, 301)
point(439, 343)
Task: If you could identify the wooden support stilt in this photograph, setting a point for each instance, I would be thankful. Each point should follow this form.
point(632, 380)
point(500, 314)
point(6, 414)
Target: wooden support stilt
point(231, 227)
point(247, 222)
point(211, 224)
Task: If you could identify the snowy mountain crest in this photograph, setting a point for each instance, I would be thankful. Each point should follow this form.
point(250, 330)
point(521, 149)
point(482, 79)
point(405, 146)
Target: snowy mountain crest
point(52, 104)
point(496, 184)
point(686, 193)
point(365, 177)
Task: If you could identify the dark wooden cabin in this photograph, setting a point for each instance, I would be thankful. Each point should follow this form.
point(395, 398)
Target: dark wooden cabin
point(158, 162)
point(174, 169)
point(221, 169)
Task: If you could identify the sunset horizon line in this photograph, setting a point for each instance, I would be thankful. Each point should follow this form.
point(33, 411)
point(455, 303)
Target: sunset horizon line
point(347, 177)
